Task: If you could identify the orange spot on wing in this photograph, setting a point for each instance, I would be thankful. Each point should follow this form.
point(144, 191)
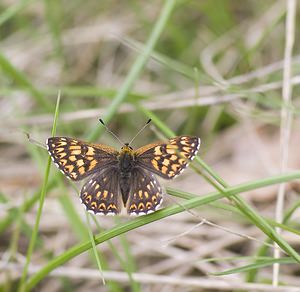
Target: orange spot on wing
point(58, 150)
point(59, 144)
point(72, 158)
point(93, 205)
point(81, 170)
point(133, 207)
point(141, 194)
point(105, 193)
point(80, 162)
point(63, 162)
point(186, 149)
point(74, 175)
point(90, 151)
point(102, 206)
point(175, 167)
point(173, 157)
point(155, 164)
point(61, 155)
point(69, 168)
point(76, 147)
point(157, 150)
point(93, 164)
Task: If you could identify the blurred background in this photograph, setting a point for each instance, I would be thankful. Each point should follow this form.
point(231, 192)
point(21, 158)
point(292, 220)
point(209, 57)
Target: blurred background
point(216, 71)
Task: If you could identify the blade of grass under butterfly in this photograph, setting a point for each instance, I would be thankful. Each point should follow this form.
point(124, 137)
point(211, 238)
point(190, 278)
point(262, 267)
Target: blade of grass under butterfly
point(163, 213)
point(40, 208)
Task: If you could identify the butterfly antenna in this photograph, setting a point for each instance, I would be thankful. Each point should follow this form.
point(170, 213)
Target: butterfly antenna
point(141, 130)
point(108, 130)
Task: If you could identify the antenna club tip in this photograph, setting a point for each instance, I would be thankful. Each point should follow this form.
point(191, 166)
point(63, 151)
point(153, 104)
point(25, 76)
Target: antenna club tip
point(148, 121)
point(101, 121)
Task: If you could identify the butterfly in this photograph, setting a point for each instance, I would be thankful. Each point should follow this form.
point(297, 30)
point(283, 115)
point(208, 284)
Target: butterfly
point(122, 178)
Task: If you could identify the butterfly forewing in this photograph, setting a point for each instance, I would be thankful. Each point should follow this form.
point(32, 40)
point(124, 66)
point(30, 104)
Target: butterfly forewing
point(145, 194)
point(101, 193)
point(77, 159)
point(168, 159)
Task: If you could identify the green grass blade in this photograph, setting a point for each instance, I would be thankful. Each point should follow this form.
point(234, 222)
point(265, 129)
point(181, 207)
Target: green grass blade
point(262, 251)
point(257, 265)
point(39, 212)
point(13, 10)
point(92, 240)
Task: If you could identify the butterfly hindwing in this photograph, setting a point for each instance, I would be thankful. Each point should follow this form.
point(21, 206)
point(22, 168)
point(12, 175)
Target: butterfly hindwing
point(145, 193)
point(77, 159)
point(101, 193)
point(168, 159)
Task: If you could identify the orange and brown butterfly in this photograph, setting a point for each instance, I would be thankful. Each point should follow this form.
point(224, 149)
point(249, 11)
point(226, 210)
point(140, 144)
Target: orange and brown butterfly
point(126, 176)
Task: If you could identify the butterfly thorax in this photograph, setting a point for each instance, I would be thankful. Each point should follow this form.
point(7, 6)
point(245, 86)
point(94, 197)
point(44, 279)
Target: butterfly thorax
point(126, 164)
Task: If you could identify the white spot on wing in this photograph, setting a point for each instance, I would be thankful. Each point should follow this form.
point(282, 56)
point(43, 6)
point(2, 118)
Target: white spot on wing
point(198, 146)
point(110, 214)
point(158, 205)
point(133, 214)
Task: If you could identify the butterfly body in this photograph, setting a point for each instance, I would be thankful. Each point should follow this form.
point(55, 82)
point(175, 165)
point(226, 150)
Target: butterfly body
point(126, 165)
point(126, 176)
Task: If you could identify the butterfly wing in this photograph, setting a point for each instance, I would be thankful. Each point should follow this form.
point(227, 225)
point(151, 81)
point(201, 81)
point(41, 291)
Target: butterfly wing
point(77, 159)
point(168, 159)
point(101, 194)
point(145, 194)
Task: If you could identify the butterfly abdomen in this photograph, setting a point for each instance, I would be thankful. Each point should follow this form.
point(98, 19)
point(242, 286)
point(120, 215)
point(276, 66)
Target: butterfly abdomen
point(126, 164)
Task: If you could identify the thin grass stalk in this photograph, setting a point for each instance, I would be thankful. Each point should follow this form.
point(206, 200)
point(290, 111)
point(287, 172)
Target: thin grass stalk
point(39, 212)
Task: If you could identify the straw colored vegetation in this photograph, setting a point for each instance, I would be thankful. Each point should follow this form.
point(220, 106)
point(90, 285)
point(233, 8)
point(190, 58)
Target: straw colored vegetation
point(225, 71)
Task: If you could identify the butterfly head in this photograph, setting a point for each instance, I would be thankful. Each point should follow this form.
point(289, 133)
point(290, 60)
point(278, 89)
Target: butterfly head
point(126, 148)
